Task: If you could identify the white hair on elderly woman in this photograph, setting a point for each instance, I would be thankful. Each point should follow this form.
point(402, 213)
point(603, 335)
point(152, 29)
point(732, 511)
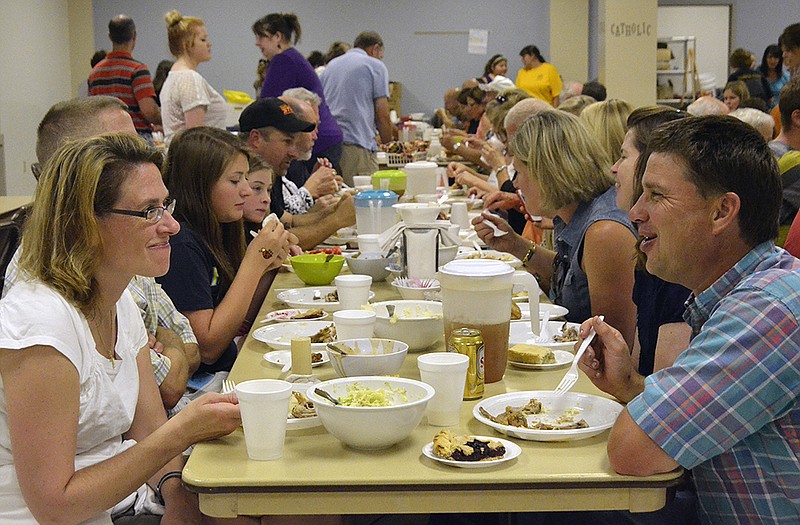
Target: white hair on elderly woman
point(763, 122)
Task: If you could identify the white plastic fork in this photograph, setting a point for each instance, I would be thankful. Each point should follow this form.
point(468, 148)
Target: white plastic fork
point(228, 386)
point(571, 377)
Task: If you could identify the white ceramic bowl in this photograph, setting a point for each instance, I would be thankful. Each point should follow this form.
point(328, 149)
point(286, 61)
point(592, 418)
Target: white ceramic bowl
point(409, 292)
point(372, 264)
point(419, 324)
point(417, 212)
point(447, 254)
point(372, 428)
point(369, 357)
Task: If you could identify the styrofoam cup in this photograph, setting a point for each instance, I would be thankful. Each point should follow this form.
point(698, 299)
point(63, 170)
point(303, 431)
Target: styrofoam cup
point(354, 324)
point(264, 404)
point(353, 290)
point(446, 372)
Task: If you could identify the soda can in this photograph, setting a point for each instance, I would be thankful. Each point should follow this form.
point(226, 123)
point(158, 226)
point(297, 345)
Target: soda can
point(469, 341)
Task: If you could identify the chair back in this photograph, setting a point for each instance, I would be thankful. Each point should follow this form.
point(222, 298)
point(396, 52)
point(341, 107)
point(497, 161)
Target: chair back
point(11, 225)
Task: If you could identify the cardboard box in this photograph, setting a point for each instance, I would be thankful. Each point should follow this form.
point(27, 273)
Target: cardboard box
point(395, 96)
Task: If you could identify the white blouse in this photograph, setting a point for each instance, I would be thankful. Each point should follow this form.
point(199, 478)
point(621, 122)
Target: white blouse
point(34, 314)
point(183, 91)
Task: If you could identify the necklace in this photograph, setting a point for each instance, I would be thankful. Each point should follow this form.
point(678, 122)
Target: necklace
point(99, 332)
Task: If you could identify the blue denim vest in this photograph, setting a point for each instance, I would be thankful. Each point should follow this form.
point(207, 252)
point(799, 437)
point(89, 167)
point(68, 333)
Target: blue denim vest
point(568, 285)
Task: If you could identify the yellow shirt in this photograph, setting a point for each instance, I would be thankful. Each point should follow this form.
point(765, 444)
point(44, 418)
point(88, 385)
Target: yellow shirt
point(542, 82)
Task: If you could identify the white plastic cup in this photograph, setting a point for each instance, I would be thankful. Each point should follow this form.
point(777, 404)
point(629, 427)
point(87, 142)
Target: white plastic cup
point(354, 324)
point(459, 215)
point(264, 404)
point(353, 290)
point(368, 243)
point(446, 372)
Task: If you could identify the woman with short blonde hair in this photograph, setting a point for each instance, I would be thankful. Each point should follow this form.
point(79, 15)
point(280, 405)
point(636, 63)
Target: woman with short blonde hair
point(563, 173)
point(606, 120)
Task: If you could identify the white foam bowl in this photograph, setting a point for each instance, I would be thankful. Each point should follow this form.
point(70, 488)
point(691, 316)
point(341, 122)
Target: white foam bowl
point(372, 428)
point(369, 357)
point(417, 212)
point(419, 324)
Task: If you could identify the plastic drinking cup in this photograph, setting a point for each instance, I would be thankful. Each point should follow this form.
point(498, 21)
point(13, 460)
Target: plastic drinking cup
point(446, 372)
point(264, 404)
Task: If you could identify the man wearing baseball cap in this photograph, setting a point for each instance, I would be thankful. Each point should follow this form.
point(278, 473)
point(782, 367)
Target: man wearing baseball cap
point(271, 128)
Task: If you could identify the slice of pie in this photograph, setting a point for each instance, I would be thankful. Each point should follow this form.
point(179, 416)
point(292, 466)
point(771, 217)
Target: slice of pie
point(447, 445)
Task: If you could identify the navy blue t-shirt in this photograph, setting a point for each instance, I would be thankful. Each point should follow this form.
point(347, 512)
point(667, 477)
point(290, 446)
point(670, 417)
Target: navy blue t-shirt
point(658, 302)
point(193, 284)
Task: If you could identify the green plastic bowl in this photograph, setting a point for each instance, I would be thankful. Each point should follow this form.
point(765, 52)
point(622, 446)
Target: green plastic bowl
point(313, 270)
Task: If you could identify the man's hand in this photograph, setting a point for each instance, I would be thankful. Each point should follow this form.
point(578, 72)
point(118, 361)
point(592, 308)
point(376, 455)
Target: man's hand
point(607, 362)
point(322, 182)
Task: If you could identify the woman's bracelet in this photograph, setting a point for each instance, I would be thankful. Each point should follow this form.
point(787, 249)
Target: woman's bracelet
point(531, 251)
point(164, 479)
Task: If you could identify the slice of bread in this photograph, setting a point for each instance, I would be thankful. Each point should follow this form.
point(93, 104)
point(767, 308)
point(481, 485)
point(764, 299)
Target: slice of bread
point(531, 354)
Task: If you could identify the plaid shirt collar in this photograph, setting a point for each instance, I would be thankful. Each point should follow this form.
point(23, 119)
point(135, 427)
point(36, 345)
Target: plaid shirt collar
point(700, 307)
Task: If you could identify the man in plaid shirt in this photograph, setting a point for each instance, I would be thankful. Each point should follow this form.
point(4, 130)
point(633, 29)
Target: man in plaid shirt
point(727, 409)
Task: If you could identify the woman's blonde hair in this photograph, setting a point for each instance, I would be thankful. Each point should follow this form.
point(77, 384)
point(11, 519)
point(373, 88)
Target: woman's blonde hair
point(196, 159)
point(563, 158)
point(180, 31)
point(61, 245)
point(606, 120)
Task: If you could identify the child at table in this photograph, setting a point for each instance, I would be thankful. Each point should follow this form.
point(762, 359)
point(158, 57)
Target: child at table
point(214, 274)
point(256, 206)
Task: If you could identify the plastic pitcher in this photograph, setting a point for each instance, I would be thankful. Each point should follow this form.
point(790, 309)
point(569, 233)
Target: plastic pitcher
point(477, 294)
point(421, 178)
point(374, 212)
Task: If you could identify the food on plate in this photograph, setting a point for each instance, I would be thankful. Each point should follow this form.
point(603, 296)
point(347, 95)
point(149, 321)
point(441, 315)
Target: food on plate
point(568, 334)
point(327, 251)
point(301, 407)
point(516, 313)
point(448, 445)
point(417, 311)
point(531, 354)
point(362, 396)
point(407, 148)
point(326, 335)
point(505, 257)
point(312, 313)
point(332, 297)
point(316, 357)
point(544, 420)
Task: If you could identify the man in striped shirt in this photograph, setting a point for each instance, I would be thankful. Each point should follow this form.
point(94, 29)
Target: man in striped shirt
point(120, 75)
point(728, 406)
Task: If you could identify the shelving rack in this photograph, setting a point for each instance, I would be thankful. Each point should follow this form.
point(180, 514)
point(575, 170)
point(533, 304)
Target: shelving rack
point(682, 67)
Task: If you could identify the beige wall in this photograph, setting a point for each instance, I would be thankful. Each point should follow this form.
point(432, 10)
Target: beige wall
point(569, 38)
point(627, 49)
point(81, 40)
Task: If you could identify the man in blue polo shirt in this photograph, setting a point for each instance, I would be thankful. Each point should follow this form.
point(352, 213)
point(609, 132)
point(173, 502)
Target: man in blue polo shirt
point(356, 87)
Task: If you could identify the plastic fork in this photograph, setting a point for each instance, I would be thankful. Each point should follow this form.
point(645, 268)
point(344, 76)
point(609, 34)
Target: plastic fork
point(228, 386)
point(571, 377)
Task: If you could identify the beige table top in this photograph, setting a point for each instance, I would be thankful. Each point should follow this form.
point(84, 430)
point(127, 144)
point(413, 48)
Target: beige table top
point(320, 475)
point(8, 204)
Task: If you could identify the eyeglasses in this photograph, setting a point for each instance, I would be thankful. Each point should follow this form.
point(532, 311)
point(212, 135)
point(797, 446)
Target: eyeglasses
point(151, 215)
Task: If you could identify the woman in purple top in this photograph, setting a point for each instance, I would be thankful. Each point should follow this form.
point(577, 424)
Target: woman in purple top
point(288, 68)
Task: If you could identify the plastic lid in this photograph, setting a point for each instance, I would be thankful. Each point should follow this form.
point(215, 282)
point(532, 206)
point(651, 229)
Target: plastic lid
point(476, 268)
point(375, 195)
point(388, 174)
point(421, 165)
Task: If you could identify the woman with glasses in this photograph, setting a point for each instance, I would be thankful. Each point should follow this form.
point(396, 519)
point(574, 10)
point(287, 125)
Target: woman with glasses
point(563, 173)
point(83, 433)
point(214, 274)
